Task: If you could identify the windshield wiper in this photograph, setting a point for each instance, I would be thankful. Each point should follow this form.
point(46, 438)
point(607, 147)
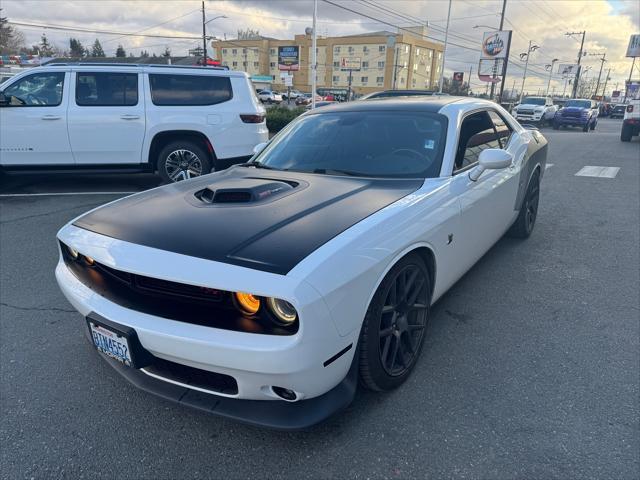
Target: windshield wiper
point(329, 171)
point(256, 165)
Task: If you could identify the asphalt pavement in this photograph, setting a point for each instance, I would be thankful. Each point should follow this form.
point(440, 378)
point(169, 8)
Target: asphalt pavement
point(530, 369)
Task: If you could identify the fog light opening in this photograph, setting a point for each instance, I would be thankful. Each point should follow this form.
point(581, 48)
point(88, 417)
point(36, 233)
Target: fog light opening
point(285, 393)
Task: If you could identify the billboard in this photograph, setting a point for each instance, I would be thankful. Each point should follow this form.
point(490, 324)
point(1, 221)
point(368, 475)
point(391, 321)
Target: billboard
point(458, 76)
point(495, 44)
point(289, 58)
point(567, 69)
point(351, 63)
point(633, 50)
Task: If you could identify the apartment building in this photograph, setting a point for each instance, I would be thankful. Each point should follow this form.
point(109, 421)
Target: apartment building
point(388, 60)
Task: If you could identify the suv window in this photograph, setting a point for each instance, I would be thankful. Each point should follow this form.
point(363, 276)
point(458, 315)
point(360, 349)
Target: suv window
point(174, 90)
point(37, 90)
point(106, 89)
point(476, 134)
point(503, 129)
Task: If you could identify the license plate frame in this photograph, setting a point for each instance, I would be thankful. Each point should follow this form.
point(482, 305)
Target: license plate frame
point(137, 356)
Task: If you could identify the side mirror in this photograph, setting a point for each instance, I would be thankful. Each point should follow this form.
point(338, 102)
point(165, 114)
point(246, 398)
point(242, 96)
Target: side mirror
point(491, 159)
point(4, 100)
point(259, 147)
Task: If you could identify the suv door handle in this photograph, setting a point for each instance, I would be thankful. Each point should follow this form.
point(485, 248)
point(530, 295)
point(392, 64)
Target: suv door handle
point(129, 117)
point(51, 117)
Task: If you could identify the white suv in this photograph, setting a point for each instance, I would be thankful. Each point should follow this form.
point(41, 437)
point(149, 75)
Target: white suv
point(179, 121)
point(535, 110)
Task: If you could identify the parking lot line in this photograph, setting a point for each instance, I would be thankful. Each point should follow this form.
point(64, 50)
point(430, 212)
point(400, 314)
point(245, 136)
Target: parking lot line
point(595, 171)
point(62, 194)
point(548, 165)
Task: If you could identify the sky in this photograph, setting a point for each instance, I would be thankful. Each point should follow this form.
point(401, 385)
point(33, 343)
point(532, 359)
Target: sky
point(608, 24)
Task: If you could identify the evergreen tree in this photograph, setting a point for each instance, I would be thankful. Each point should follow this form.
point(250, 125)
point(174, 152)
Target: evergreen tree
point(45, 49)
point(11, 40)
point(96, 50)
point(167, 52)
point(120, 53)
point(76, 49)
point(144, 54)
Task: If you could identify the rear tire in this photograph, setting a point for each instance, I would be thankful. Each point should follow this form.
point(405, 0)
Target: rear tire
point(626, 133)
point(523, 226)
point(395, 324)
point(181, 160)
point(585, 128)
point(556, 126)
point(593, 125)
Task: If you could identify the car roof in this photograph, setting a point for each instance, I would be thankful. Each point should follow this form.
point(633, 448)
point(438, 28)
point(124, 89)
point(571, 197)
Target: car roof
point(148, 68)
point(411, 104)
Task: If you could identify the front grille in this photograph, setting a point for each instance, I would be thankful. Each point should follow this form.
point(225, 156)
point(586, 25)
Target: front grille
point(171, 300)
point(194, 377)
point(572, 114)
point(525, 112)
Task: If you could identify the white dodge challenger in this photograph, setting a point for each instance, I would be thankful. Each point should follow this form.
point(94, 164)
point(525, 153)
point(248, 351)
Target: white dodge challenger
point(264, 292)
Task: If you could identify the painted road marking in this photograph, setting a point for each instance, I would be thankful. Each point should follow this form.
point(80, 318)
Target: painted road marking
point(62, 194)
point(548, 165)
point(602, 172)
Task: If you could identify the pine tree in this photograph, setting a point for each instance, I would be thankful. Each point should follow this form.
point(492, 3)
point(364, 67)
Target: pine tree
point(76, 49)
point(96, 50)
point(120, 53)
point(45, 49)
point(11, 40)
point(167, 52)
point(144, 54)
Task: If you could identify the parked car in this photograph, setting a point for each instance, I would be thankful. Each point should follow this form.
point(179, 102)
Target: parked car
point(294, 94)
point(322, 103)
point(631, 122)
point(399, 93)
point(263, 292)
point(618, 111)
point(180, 122)
point(305, 99)
point(269, 96)
point(578, 112)
point(538, 110)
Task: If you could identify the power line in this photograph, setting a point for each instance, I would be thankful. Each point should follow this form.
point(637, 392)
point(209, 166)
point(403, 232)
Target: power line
point(156, 25)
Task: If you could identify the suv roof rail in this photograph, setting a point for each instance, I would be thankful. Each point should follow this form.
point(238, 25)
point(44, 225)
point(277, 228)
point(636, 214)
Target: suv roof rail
point(116, 64)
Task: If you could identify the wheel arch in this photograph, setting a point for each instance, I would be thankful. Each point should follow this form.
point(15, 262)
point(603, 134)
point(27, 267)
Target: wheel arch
point(161, 139)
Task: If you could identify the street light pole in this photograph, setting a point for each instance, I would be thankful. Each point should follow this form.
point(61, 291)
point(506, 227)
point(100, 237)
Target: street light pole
point(204, 37)
point(444, 52)
point(314, 57)
point(532, 48)
point(603, 57)
point(495, 62)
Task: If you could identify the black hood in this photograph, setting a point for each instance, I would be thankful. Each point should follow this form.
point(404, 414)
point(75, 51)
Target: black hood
point(256, 218)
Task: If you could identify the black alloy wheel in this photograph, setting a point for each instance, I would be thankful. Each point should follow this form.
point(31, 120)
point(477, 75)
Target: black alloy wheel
point(395, 324)
point(523, 226)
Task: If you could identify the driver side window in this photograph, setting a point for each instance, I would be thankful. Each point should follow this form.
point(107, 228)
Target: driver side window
point(476, 134)
point(37, 90)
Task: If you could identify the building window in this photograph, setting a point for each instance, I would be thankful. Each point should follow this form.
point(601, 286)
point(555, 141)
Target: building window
point(256, 64)
point(415, 67)
point(244, 50)
point(365, 64)
point(351, 49)
point(379, 79)
point(272, 64)
point(234, 51)
point(365, 49)
point(381, 48)
point(235, 64)
point(417, 51)
point(402, 80)
point(336, 49)
point(336, 78)
point(244, 64)
point(413, 82)
point(430, 53)
point(272, 51)
point(273, 77)
point(406, 49)
point(224, 51)
point(364, 79)
point(336, 64)
point(380, 64)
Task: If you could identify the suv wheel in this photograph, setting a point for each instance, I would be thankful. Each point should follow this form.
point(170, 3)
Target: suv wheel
point(626, 133)
point(182, 160)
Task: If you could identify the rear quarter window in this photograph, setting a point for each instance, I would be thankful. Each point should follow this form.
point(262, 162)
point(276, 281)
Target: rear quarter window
point(189, 90)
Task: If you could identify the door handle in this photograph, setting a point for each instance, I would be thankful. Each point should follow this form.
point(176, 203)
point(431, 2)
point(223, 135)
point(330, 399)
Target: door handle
point(129, 117)
point(51, 117)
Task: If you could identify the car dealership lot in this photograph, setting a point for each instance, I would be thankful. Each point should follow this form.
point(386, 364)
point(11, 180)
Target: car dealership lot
point(530, 368)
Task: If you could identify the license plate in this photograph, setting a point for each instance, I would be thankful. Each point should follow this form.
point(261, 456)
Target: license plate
point(111, 343)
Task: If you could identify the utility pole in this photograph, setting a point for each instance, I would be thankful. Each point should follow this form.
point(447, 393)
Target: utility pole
point(314, 56)
point(495, 62)
point(204, 37)
point(606, 80)
point(603, 57)
point(444, 52)
point(577, 79)
point(469, 80)
point(550, 74)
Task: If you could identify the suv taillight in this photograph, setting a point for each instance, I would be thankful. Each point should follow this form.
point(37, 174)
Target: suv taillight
point(252, 118)
point(629, 108)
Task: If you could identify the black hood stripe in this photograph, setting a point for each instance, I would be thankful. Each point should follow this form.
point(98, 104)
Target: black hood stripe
point(268, 228)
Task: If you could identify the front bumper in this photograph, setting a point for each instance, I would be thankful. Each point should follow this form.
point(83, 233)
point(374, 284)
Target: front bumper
point(530, 118)
point(571, 121)
point(257, 362)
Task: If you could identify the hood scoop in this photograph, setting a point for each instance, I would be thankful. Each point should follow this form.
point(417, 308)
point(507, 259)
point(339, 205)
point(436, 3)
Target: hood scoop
point(245, 191)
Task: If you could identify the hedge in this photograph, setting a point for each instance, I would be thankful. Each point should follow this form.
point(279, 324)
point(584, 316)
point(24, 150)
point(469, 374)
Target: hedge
point(279, 117)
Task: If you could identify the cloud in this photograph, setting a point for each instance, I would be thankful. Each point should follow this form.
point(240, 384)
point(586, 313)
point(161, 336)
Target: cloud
point(608, 24)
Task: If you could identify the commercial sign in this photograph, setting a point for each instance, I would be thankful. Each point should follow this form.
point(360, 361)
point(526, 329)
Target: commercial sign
point(633, 50)
point(351, 63)
point(289, 58)
point(458, 76)
point(568, 69)
point(495, 44)
point(615, 94)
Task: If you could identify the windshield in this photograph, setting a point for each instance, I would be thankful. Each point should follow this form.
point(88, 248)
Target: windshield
point(372, 143)
point(578, 103)
point(533, 101)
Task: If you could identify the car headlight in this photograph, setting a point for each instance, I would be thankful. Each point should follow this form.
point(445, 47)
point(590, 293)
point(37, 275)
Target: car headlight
point(284, 313)
point(247, 303)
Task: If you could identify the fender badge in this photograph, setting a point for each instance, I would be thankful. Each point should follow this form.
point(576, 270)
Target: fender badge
point(449, 239)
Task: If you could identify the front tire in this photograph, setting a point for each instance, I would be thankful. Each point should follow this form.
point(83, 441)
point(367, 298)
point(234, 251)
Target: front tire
point(182, 160)
point(523, 226)
point(394, 326)
point(626, 133)
point(593, 125)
